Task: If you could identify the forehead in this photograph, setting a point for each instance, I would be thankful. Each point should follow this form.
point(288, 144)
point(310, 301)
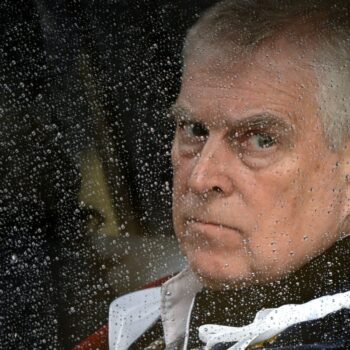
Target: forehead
point(277, 77)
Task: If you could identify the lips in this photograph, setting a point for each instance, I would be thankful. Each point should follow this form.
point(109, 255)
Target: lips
point(210, 236)
point(211, 222)
point(211, 227)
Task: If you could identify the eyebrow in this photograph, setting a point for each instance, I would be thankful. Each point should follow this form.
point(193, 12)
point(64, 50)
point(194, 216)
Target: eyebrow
point(180, 113)
point(261, 120)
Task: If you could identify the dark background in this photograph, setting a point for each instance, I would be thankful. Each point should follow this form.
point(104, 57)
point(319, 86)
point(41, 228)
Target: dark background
point(76, 75)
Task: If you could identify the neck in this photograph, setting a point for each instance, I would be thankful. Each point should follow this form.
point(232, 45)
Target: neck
point(328, 273)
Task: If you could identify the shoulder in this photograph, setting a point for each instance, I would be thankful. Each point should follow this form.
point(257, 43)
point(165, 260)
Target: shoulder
point(329, 332)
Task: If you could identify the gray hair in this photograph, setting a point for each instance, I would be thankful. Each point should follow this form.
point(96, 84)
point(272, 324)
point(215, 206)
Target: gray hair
point(238, 26)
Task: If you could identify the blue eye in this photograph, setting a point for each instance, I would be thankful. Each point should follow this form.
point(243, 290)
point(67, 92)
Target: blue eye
point(262, 140)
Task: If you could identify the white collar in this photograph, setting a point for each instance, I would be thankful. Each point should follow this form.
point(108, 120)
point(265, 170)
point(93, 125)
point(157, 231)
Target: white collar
point(132, 314)
point(174, 302)
point(177, 299)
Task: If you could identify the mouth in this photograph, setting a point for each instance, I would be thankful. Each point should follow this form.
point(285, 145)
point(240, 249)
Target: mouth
point(211, 227)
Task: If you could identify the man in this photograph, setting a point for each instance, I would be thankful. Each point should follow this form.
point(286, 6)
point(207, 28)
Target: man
point(261, 164)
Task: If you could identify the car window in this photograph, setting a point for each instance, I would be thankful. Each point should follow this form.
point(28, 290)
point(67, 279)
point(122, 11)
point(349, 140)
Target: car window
point(85, 149)
point(108, 130)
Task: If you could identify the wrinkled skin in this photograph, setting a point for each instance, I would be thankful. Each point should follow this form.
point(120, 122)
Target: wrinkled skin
point(258, 192)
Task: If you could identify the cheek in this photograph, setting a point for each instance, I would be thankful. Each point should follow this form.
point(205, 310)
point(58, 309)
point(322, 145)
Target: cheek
point(273, 190)
point(182, 169)
point(181, 172)
point(300, 208)
point(289, 186)
point(276, 200)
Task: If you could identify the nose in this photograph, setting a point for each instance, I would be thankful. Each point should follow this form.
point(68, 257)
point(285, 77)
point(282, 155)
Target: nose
point(211, 171)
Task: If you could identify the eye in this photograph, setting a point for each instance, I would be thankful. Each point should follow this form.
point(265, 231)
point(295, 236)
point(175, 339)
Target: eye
point(194, 130)
point(257, 144)
point(262, 141)
point(258, 149)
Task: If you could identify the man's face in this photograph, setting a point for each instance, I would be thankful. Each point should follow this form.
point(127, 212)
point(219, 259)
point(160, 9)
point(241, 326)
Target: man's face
point(257, 191)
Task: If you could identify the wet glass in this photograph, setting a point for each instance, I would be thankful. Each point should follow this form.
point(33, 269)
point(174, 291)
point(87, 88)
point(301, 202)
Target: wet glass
point(85, 160)
point(94, 123)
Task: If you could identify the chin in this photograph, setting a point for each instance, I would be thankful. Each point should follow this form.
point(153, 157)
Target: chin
point(215, 274)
